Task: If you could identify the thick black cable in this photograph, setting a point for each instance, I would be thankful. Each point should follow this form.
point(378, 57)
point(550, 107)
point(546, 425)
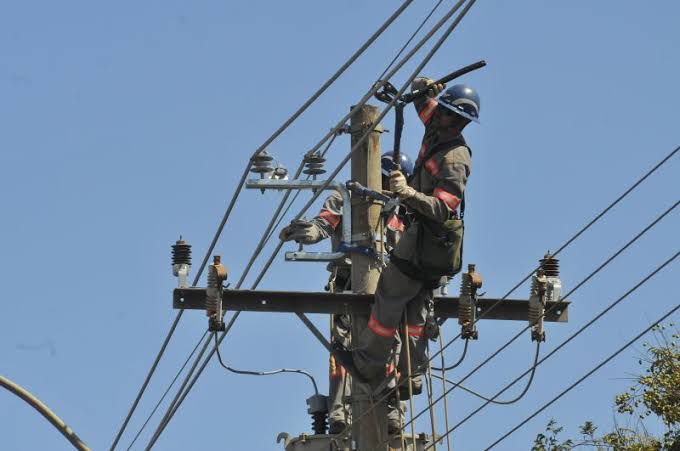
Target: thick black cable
point(577, 287)
point(573, 238)
point(239, 187)
point(460, 359)
point(572, 336)
point(587, 375)
point(507, 344)
point(181, 395)
point(508, 401)
point(264, 373)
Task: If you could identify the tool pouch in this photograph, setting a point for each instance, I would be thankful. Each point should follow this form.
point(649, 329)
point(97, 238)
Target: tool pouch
point(439, 248)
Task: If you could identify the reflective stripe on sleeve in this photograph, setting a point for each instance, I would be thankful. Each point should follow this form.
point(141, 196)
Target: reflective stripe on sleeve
point(425, 114)
point(330, 217)
point(379, 329)
point(449, 199)
point(432, 167)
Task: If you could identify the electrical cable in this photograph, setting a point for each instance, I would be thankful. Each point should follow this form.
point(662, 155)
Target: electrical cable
point(181, 395)
point(268, 230)
point(509, 401)
point(460, 360)
point(420, 27)
point(575, 236)
point(232, 202)
point(264, 373)
point(578, 286)
point(165, 393)
point(584, 377)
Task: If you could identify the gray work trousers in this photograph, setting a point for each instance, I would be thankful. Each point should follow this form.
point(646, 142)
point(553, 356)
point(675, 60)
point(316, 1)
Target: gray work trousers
point(340, 383)
point(396, 294)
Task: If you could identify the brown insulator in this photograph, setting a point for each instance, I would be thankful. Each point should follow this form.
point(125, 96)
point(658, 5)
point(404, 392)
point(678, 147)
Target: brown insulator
point(262, 163)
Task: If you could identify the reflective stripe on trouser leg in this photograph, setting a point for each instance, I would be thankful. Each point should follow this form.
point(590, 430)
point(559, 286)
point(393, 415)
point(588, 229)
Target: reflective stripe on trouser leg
point(339, 382)
point(416, 314)
point(372, 349)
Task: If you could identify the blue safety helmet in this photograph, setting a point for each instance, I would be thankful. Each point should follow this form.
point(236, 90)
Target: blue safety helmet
point(461, 99)
point(387, 159)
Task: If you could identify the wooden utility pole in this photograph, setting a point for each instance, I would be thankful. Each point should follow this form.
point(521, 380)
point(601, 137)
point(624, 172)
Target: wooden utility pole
point(370, 431)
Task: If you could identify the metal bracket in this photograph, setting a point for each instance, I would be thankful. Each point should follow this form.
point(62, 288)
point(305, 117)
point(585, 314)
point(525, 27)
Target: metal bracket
point(302, 255)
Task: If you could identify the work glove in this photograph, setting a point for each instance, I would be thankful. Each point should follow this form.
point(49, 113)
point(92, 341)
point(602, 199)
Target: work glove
point(434, 89)
point(399, 185)
point(304, 232)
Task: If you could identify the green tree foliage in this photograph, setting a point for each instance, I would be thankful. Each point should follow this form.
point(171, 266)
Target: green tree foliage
point(655, 393)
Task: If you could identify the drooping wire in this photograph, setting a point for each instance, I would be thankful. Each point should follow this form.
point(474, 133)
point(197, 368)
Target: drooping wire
point(232, 202)
point(587, 375)
point(181, 395)
point(458, 362)
point(524, 391)
point(446, 401)
point(574, 335)
point(264, 373)
point(577, 287)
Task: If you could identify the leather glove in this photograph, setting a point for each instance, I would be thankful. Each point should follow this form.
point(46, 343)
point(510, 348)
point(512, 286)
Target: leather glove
point(305, 232)
point(434, 89)
point(399, 185)
point(285, 234)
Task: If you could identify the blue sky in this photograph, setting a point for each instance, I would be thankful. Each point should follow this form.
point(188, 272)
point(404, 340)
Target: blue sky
point(126, 124)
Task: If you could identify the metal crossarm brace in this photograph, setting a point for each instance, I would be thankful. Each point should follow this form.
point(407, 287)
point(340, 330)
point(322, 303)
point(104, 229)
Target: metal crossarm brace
point(340, 303)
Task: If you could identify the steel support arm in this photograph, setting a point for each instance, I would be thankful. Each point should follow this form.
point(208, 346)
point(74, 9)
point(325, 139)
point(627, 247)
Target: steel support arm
point(338, 303)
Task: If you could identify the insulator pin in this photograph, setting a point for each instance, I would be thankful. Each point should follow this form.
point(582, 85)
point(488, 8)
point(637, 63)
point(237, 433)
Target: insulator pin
point(181, 262)
point(317, 407)
point(262, 163)
point(314, 165)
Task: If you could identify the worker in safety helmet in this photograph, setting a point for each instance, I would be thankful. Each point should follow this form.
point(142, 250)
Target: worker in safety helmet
point(431, 247)
point(328, 224)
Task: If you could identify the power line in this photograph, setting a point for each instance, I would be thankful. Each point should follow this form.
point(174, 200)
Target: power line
point(578, 286)
point(264, 373)
point(508, 401)
point(232, 202)
point(585, 376)
point(165, 393)
point(181, 396)
point(572, 336)
point(560, 249)
point(458, 362)
point(575, 236)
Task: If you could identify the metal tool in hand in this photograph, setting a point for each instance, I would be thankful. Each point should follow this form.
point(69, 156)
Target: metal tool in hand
point(388, 93)
point(357, 188)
